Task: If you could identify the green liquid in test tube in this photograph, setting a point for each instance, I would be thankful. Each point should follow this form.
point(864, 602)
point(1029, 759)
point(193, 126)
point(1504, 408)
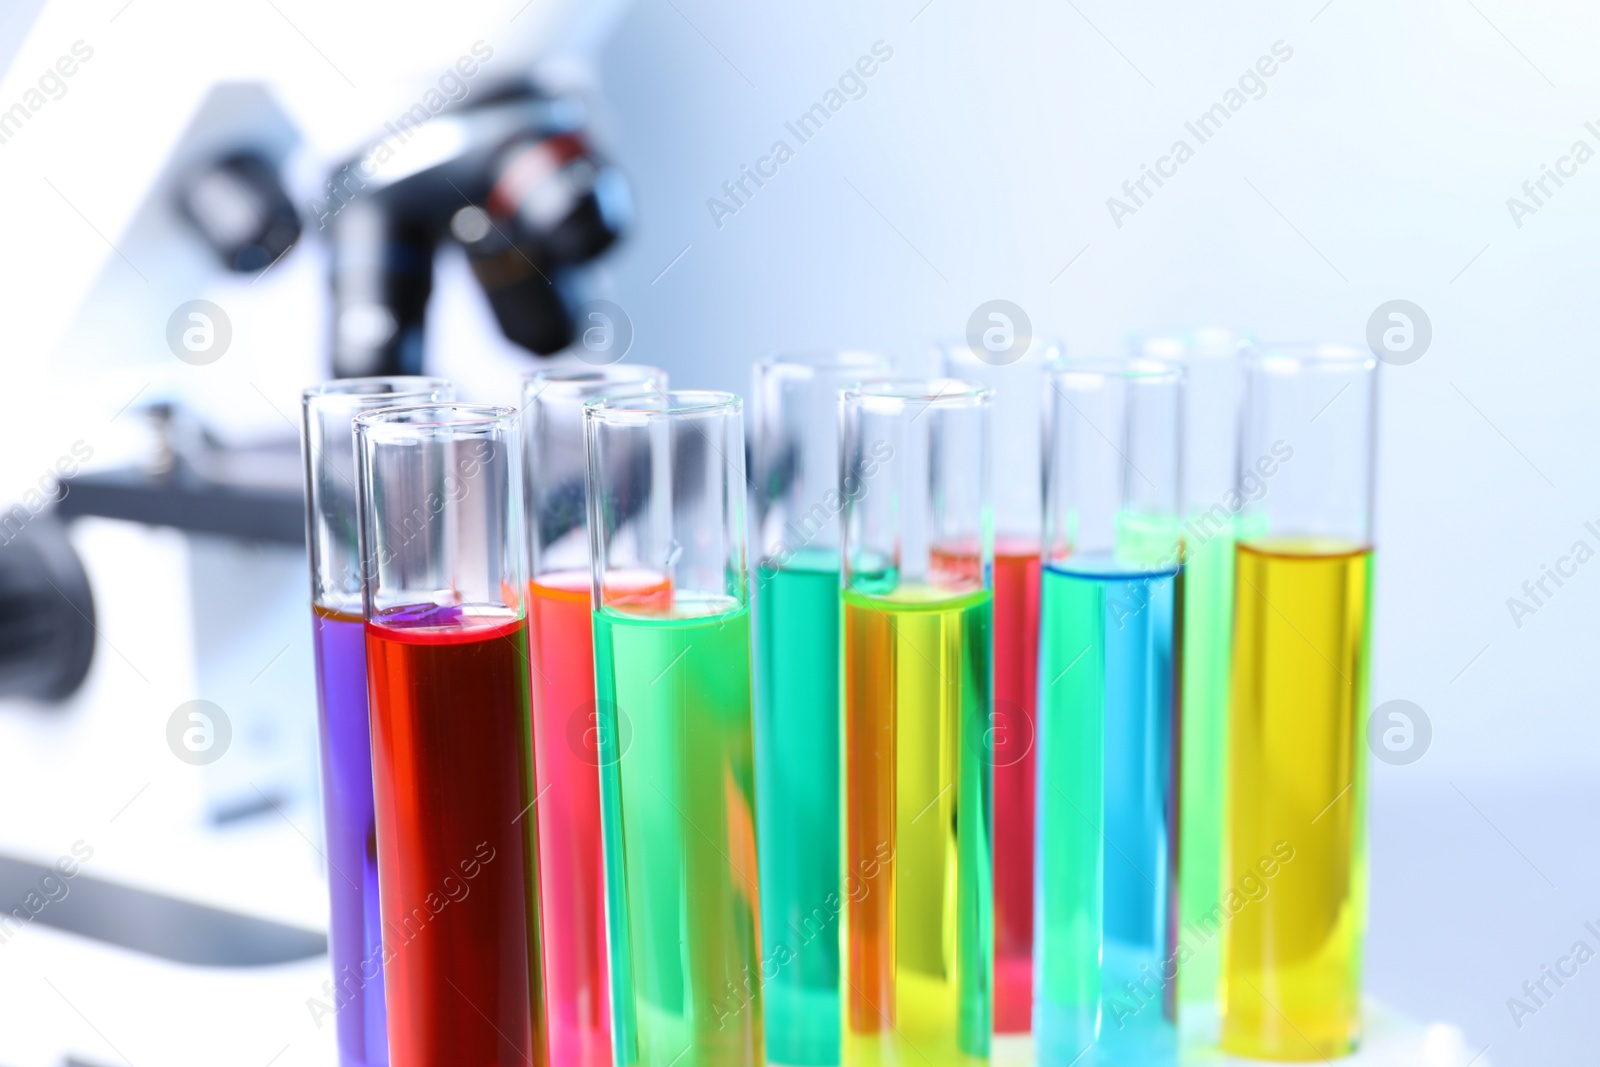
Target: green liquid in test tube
point(1212, 506)
point(673, 701)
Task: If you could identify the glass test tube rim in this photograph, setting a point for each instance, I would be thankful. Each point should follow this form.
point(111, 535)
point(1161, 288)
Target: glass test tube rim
point(371, 388)
point(667, 404)
point(888, 395)
point(1106, 368)
point(1306, 356)
point(399, 424)
point(1190, 345)
point(577, 383)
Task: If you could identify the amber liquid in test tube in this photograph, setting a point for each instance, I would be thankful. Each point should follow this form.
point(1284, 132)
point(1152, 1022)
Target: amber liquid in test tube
point(917, 938)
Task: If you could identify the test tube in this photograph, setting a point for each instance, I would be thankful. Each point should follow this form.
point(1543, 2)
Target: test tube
point(355, 943)
point(452, 759)
point(565, 724)
point(671, 616)
point(1108, 698)
point(1018, 383)
point(1295, 865)
point(1211, 506)
point(917, 937)
point(795, 453)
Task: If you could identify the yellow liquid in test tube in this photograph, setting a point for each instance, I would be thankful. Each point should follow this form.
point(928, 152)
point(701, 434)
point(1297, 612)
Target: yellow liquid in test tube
point(1296, 814)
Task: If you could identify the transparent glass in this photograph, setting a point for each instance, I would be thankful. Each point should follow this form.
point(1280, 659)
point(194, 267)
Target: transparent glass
point(1018, 387)
point(442, 510)
point(1017, 420)
point(327, 434)
point(355, 940)
point(1210, 358)
point(794, 447)
point(915, 477)
point(1309, 416)
point(673, 687)
point(555, 468)
point(565, 723)
point(1302, 618)
point(1110, 648)
point(917, 932)
point(798, 502)
point(452, 760)
point(1113, 458)
point(666, 491)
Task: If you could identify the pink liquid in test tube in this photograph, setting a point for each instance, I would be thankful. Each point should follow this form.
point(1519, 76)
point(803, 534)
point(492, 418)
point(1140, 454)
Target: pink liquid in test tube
point(566, 725)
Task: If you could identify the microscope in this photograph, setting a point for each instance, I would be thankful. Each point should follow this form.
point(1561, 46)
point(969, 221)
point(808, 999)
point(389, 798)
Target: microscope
point(512, 178)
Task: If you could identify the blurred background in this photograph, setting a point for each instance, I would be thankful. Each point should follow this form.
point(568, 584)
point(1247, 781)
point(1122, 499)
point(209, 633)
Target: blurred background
point(208, 207)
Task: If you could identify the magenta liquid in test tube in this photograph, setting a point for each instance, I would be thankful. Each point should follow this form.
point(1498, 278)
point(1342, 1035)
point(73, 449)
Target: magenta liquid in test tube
point(354, 935)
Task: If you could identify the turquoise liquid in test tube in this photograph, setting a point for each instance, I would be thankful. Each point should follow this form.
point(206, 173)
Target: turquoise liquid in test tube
point(798, 501)
point(1106, 959)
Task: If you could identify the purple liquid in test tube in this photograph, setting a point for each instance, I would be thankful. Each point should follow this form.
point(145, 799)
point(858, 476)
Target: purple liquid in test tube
point(355, 934)
point(355, 937)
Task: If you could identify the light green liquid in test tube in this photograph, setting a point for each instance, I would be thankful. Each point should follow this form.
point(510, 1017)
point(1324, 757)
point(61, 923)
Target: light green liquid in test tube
point(678, 804)
point(1203, 748)
point(1212, 513)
